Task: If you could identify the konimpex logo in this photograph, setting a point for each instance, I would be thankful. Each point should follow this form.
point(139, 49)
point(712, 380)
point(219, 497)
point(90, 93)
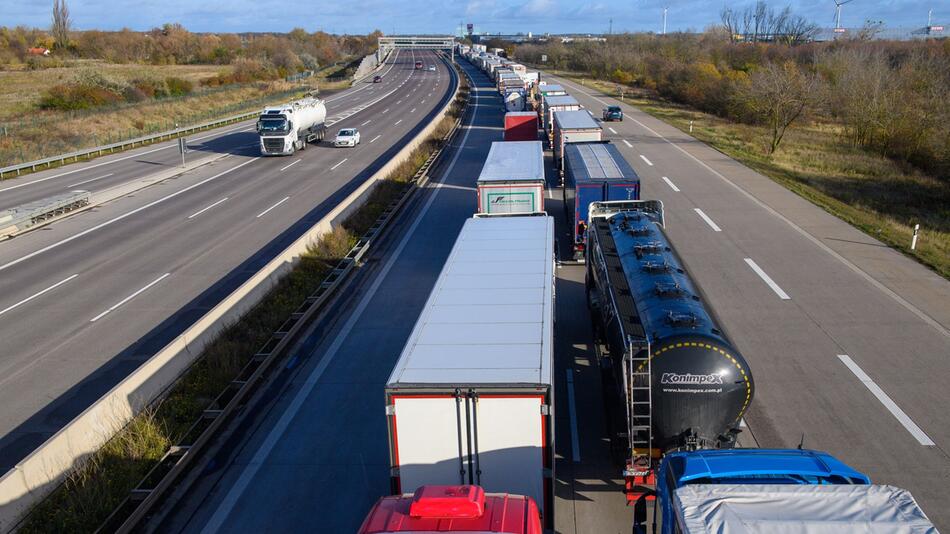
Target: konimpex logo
point(690, 379)
point(498, 199)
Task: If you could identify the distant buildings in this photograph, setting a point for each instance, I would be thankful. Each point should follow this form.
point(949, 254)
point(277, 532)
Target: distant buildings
point(38, 51)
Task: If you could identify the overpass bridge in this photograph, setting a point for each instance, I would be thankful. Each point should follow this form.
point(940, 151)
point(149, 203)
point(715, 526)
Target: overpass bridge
point(430, 42)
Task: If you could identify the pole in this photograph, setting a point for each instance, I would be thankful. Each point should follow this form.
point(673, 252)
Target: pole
point(690, 126)
point(664, 20)
point(913, 241)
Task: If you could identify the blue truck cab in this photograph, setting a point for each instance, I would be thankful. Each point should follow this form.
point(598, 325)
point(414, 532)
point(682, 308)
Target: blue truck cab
point(748, 466)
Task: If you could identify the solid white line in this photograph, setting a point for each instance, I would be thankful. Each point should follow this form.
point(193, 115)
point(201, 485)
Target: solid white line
point(285, 167)
point(771, 283)
point(120, 217)
point(671, 184)
point(338, 164)
point(708, 220)
point(627, 143)
point(891, 406)
point(281, 201)
point(130, 297)
point(90, 180)
point(47, 290)
point(367, 122)
point(375, 138)
point(397, 122)
point(644, 158)
point(227, 504)
point(202, 210)
point(611, 129)
point(572, 412)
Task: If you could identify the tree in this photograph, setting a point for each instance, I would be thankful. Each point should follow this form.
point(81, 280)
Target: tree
point(778, 95)
point(61, 24)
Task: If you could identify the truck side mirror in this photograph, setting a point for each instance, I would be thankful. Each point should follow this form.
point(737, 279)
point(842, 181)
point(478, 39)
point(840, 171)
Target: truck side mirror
point(258, 126)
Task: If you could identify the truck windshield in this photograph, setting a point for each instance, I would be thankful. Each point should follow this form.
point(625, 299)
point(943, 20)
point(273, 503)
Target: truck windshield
point(774, 478)
point(275, 125)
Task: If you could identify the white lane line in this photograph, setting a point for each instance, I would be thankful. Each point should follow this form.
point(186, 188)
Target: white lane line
point(90, 180)
point(397, 122)
point(202, 210)
point(423, 102)
point(708, 220)
point(279, 202)
point(644, 158)
point(891, 406)
point(367, 122)
point(611, 130)
point(385, 110)
point(333, 168)
point(671, 184)
point(399, 102)
point(35, 295)
point(627, 143)
point(130, 297)
point(375, 138)
point(237, 489)
point(771, 283)
point(285, 167)
point(413, 110)
point(120, 217)
point(572, 412)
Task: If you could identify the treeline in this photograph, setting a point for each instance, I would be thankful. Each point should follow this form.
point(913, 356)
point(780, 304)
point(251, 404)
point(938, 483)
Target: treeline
point(891, 97)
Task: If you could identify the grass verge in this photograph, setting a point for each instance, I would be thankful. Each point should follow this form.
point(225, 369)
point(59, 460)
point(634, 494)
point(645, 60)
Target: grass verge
point(880, 196)
point(95, 489)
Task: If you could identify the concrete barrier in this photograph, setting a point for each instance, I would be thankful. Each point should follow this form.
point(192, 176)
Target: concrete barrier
point(44, 469)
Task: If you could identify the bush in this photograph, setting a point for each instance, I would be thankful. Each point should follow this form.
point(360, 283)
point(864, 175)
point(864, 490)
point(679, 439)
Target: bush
point(71, 97)
point(178, 86)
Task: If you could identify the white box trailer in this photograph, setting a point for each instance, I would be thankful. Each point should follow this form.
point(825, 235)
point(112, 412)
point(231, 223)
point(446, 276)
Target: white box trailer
point(573, 127)
point(512, 179)
point(470, 399)
point(557, 103)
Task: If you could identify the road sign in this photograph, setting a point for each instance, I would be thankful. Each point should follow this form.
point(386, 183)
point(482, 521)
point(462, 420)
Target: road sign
point(544, 58)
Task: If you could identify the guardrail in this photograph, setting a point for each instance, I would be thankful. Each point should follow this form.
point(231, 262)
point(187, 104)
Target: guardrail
point(20, 218)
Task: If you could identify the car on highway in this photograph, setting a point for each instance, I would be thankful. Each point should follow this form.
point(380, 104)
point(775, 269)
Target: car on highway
point(418, 65)
point(613, 113)
point(432, 68)
point(347, 137)
point(377, 79)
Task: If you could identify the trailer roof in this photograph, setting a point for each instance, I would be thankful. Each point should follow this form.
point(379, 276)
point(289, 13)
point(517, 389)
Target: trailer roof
point(489, 318)
point(561, 100)
point(550, 88)
point(596, 161)
point(580, 119)
point(806, 508)
point(513, 161)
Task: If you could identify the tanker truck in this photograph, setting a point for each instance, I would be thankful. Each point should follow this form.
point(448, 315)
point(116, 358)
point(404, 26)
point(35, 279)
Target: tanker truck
point(289, 127)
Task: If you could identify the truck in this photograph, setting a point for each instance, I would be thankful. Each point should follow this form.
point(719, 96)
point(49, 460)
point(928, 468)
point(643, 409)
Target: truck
point(521, 126)
point(557, 103)
point(778, 490)
point(594, 172)
point(464, 508)
point(289, 127)
point(515, 101)
point(512, 179)
point(573, 127)
point(470, 400)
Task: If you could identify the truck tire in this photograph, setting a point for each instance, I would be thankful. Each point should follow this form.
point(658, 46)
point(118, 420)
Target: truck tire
point(303, 144)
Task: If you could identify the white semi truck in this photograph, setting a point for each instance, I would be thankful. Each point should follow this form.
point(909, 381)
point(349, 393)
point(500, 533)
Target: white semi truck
point(289, 127)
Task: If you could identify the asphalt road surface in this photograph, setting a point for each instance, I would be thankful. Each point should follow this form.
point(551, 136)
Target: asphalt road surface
point(86, 300)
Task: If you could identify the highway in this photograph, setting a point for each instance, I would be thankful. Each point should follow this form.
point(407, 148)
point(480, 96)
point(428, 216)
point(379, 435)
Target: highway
point(86, 300)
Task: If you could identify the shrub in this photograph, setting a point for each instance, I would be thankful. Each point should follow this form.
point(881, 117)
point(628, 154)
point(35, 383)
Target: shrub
point(178, 86)
point(70, 97)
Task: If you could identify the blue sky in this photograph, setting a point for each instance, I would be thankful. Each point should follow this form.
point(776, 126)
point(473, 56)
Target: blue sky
point(442, 16)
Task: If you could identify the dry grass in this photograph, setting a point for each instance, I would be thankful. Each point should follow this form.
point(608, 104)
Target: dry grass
point(882, 197)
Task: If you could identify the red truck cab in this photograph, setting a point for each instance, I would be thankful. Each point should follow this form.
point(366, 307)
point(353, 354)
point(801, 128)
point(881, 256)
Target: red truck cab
point(453, 509)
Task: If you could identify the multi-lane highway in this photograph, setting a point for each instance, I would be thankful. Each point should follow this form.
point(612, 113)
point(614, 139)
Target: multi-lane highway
point(87, 299)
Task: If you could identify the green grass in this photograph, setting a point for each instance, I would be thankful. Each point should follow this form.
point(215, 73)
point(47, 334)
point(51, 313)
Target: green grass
point(882, 197)
point(99, 486)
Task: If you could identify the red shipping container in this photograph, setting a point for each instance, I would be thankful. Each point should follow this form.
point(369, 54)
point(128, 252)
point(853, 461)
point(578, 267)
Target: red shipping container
point(521, 126)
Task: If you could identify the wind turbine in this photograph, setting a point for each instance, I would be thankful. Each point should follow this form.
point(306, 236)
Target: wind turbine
point(838, 4)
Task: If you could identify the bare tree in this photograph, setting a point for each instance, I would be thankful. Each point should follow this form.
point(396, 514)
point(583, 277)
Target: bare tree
point(61, 23)
point(730, 21)
point(778, 95)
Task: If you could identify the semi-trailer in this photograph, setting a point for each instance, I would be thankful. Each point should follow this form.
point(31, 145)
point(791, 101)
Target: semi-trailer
point(512, 179)
point(553, 104)
point(573, 127)
point(515, 101)
point(470, 400)
point(521, 126)
point(594, 172)
point(289, 127)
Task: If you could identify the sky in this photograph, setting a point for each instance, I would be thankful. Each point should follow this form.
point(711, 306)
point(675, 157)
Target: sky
point(444, 16)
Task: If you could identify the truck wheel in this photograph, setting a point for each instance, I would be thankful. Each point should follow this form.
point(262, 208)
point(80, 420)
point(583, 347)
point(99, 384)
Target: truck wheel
point(303, 144)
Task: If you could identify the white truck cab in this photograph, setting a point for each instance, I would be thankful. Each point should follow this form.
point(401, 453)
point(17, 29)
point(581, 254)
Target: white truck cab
point(289, 127)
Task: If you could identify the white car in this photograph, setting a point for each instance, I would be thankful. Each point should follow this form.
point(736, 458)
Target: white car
point(347, 137)
point(432, 68)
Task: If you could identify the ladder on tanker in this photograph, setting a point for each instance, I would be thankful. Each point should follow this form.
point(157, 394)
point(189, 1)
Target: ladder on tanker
point(639, 475)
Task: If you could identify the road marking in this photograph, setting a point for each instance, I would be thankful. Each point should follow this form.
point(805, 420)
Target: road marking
point(385, 110)
point(397, 122)
point(708, 220)
point(671, 184)
point(644, 158)
point(891, 406)
point(572, 412)
point(35, 295)
point(279, 202)
point(399, 102)
point(120, 217)
point(229, 501)
point(423, 102)
point(367, 122)
point(771, 283)
point(333, 168)
point(413, 110)
point(202, 210)
point(285, 167)
point(627, 143)
point(611, 129)
point(130, 297)
point(90, 180)
point(375, 138)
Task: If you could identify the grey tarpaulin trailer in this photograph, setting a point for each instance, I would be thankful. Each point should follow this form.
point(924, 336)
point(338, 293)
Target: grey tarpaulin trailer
point(512, 179)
